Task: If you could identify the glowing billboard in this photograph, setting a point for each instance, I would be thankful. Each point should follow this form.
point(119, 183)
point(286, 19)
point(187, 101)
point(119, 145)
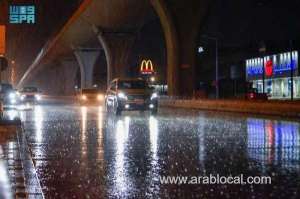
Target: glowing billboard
point(2, 40)
point(147, 67)
point(279, 65)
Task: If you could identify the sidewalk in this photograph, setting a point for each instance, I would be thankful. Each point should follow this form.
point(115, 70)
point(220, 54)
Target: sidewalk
point(275, 108)
point(12, 178)
point(17, 177)
point(5, 186)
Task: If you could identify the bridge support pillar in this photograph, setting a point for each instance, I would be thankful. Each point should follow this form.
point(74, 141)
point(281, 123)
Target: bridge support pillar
point(181, 23)
point(117, 47)
point(69, 71)
point(189, 23)
point(86, 59)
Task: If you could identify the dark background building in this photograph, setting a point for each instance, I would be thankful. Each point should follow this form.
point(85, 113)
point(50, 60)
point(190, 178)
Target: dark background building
point(242, 28)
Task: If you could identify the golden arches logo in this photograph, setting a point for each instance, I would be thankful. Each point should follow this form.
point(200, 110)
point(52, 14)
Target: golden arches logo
point(147, 66)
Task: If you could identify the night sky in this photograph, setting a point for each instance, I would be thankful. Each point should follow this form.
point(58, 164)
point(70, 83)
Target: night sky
point(242, 27)
point(239, 24)
point(25, 41)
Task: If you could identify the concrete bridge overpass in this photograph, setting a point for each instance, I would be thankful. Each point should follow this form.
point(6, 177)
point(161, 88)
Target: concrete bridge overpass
point(110, 27)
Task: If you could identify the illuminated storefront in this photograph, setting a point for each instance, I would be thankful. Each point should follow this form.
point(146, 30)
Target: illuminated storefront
point(277, 71)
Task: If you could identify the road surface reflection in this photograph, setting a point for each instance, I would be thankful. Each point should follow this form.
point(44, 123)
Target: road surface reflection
point(98, 156)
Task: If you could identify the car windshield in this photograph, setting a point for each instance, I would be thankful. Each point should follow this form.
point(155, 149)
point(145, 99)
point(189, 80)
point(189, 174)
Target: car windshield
point(30, 89)
point(90, 91)
point(139, 84)
point(4, 88)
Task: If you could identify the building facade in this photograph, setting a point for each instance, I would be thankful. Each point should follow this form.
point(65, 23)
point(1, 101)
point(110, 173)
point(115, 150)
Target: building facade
point(274, 75)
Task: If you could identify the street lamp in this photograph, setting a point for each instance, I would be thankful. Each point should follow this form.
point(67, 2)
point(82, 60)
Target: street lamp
point(217, 61)
point(200, 49)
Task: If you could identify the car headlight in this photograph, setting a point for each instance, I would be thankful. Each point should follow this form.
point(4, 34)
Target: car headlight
point(122, 96)
point(13, 100)
point(154, 96)
point(12, 95)
point(100, 97)
point(83, 97)
point(38, 97)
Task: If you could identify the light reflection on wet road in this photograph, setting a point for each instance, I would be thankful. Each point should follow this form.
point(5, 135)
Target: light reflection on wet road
point(79, 152)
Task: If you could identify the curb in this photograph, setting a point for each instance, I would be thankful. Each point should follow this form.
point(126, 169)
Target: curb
point(281, 109)
point(32, 183)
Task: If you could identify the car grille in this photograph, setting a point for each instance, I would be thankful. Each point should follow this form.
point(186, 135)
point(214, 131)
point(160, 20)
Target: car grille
point(133, 97)
point(30, 97)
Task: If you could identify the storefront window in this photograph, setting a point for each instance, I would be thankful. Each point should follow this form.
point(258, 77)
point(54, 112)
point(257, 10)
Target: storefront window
point(278, 83)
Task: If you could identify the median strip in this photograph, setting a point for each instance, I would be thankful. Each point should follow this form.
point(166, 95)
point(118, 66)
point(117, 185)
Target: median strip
point(276, 108)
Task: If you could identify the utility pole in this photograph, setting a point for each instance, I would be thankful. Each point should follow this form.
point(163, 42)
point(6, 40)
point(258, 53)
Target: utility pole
point(217, 63)
point(217, 69)
point(263, 50)
point(292, 70)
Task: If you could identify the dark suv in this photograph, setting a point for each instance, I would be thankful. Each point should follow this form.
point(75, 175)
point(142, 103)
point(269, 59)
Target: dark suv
point(130, 95)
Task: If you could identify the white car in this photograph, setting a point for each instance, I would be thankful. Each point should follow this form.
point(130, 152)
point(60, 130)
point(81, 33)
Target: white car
point(30, 94)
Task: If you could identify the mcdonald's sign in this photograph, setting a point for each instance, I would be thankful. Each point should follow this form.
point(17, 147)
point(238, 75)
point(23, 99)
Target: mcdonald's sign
point(146, 67)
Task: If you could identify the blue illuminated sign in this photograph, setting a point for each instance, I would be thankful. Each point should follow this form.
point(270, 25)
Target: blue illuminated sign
point(274, 65)
point(254, 67)
point(22, 14)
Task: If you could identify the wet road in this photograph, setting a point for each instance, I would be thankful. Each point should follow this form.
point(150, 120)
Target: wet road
point(80, 152)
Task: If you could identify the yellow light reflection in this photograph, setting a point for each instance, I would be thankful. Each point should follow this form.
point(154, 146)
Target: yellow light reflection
point(153, 135)
point(83, 130)
point(4, 179)
point(100, 119)
point(153, 129)
point(11, 146)
point(122, 132)
point(100, 133)
point(38, 122)
point(201, 132)
point(38, 118)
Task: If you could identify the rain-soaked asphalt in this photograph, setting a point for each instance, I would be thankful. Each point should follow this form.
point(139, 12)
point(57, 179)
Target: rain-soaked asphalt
point(80, 152)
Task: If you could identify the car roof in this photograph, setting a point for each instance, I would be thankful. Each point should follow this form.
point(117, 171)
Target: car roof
point(127, 79)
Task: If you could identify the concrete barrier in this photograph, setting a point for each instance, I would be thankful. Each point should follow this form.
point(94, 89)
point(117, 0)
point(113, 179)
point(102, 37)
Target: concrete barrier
point(276, 108)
